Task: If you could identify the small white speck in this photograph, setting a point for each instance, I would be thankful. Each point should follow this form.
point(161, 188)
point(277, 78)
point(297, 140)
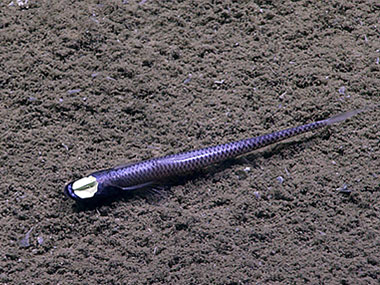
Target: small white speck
point(247, 169)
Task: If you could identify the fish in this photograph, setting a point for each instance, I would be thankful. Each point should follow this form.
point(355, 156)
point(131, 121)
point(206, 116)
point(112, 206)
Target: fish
point(144, 174)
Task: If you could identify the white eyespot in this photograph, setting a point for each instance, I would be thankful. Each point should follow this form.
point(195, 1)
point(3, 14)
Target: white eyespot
point(86, 187)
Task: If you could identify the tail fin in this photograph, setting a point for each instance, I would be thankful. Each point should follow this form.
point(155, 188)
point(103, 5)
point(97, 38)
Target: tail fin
point(344, 116)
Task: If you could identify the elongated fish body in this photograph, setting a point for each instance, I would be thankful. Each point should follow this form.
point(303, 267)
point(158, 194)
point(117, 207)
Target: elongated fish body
point(112, 181)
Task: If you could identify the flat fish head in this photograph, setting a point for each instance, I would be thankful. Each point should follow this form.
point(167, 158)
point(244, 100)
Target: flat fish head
point(89, 188)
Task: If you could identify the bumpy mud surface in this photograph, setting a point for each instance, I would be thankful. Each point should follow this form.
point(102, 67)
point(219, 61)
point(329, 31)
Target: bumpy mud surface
point(87, 85)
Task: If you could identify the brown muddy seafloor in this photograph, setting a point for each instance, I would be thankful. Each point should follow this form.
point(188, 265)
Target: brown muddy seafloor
point(86, 85)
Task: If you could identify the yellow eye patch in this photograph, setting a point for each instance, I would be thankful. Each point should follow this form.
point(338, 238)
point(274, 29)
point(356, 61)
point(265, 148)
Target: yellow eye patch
point(86, 187)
